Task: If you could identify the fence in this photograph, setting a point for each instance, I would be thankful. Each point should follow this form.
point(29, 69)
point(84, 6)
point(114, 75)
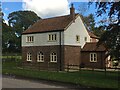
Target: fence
point(39, 66)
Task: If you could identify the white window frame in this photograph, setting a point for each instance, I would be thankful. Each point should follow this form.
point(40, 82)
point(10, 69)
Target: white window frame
point(30, 39)
point(40, 57)
point(93, 57)
point(85, 38)
point(53, 57)
point(78, 38)
point(52, 37)
point(29, 56)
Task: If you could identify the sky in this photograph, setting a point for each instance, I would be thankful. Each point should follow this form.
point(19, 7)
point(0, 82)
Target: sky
point(46, 8)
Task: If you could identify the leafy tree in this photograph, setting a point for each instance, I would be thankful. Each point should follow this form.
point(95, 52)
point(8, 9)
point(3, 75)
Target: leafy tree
point(89, 22)
point(111, 37)
point(20, 21)
point(8, 38)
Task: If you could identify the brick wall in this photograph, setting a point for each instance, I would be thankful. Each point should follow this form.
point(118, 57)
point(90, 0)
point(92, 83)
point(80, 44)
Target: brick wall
point(86, 60)
point(65, 55)
point(72, 55)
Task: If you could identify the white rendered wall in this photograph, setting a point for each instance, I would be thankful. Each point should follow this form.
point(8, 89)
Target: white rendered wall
point(41, 39)
point(74, 29)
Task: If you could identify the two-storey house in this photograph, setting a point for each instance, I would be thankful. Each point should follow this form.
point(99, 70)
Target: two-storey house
point(55, 42)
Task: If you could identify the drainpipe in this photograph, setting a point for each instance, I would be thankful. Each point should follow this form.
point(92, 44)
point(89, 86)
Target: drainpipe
point(60, 51)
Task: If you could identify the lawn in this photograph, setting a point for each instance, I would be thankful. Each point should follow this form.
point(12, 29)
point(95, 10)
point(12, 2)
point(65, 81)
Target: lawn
point(83, 77)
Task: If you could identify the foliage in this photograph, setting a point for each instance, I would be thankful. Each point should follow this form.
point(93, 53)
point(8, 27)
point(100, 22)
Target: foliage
point(89, 22)
point(21, 20)
point(8, 38)
point(18, 21)
point(111, 37)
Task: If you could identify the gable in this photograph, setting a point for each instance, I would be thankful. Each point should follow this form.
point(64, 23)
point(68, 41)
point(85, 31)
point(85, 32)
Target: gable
point(74, 29)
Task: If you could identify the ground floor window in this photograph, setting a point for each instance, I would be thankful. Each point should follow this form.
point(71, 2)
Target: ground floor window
point(40, 57)
point(53, 57)
point(29, 57)
point(93, 57)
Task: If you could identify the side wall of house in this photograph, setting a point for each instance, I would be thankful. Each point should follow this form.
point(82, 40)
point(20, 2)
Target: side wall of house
point(72, 55)
point(85, 59)
point(76, 28)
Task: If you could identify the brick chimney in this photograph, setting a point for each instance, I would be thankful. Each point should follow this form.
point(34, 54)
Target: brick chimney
point(72, 12)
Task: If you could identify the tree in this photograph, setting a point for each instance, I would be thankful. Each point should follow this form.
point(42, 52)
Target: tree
point(111, 37)
point(20, 21)
point(89, 22)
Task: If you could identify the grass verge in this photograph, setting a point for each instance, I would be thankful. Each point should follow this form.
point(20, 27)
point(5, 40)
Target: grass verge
point(83, 78)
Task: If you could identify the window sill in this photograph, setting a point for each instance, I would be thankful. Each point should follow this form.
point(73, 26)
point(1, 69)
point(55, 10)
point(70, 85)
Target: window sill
point(29, 42)
point(53, 61)
point(40, 61)
point(93, 61)
point(52, 41)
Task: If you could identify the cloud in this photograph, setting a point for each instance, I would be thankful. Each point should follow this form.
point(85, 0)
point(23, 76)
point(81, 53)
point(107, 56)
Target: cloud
point(47, 8)
point(6, 9)
point(6, 21)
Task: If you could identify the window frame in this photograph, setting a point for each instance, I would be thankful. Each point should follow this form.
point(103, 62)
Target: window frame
point(93, 57)
point(30, 39)
point(52, 37)
point(78, 38)
point(40, 57)
point(53, 57)
point(29, 56)
point(85, 39)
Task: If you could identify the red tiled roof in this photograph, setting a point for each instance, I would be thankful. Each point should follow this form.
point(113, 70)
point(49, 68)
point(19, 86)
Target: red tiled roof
point(92, 35)
point(50, 24)
point(92, 46)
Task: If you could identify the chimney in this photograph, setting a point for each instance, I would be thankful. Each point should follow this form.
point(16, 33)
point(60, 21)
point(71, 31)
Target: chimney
point(72, 12)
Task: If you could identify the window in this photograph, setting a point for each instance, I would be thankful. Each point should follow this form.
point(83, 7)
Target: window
point(53, 57)
point(40, 57)
point(85, 38)
point(77, 38)
point(29, 57)
point(93, 57)
point(52, 37)
point(30, 39)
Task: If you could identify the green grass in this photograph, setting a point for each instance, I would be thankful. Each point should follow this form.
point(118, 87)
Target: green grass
point(84, 78)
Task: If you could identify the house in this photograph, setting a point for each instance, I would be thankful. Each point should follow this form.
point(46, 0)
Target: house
point(93, 38)
point(93, 56)
point(55, 42)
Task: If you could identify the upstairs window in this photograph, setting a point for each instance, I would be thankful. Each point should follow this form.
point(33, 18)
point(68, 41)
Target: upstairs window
point(93, 57)
point(30, 39)
point(52, 37)
point(85, 39)
point(29, 57)
point(40, 57)
point(77, 38)
point(53, 57)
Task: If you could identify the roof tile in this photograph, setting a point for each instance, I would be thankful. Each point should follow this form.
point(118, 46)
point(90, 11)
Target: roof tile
point(50, 24)
point(92, 46)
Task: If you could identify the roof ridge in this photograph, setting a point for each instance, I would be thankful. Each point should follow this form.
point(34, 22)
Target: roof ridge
point(57, 16)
